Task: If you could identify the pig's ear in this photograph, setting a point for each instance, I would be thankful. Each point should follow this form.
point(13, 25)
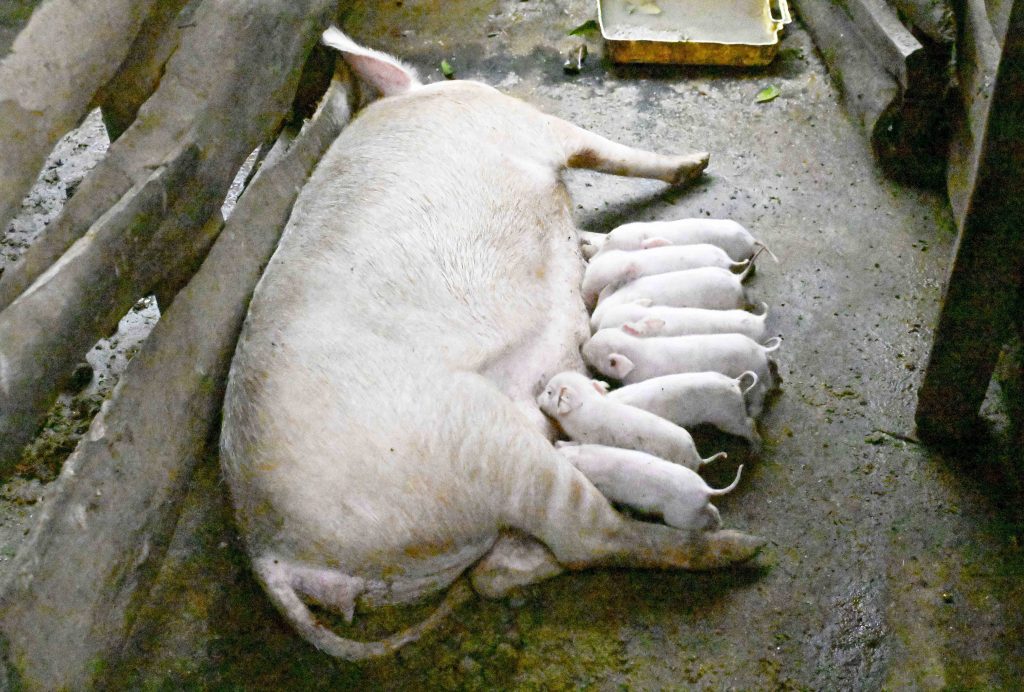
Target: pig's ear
point(633, 328)
point(620, 365)
point(653, 325)
point(644, 302)
point(388, 75)
point(566, 401)
point(655, 242)
point(601, 387)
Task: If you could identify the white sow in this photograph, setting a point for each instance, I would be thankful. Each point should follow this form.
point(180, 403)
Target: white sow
point(380, 432)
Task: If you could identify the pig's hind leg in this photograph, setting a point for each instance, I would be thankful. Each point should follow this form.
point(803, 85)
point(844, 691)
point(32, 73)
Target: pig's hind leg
point(548, 498)
point(584, 149)
point(581, 529)
point(290, 585)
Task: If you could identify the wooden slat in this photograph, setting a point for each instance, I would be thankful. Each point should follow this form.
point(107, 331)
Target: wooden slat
point(226, 90)
point(68, 50)
point(895, 47)
point(87, 567)
point(985, 278)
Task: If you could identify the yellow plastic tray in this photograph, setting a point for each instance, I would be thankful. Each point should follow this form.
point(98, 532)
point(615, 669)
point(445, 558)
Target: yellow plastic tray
point(692, 32)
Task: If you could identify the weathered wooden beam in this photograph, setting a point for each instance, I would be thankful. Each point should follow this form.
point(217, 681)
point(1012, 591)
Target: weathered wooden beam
point(68, 50)
point(891, 83)
point(984, 283)
point(138, 76)
point(870, 93)
point(897, 50)
point(77, 584)
point(226, 90)
point(977, 59)
point(933, 18)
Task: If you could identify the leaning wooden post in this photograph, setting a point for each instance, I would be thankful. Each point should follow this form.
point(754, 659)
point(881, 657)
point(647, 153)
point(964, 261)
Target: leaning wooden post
point(68, 50)
point(95, 549)
point(225, 91)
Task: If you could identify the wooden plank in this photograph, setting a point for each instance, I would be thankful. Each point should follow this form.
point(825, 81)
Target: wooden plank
point(978, 57)
point(226, 90)
point(984, 281)
point(86, 569)
point(139, 74)
point(895, 47)
point(870, 93)
point(68, 50)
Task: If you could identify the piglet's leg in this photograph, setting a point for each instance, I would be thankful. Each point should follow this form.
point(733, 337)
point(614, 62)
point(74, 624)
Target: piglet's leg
point(585, 149)
point(558, 505)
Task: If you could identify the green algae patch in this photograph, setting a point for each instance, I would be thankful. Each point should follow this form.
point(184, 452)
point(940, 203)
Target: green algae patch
point(64, 426)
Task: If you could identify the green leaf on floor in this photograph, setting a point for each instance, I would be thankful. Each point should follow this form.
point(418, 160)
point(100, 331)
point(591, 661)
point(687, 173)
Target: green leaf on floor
point(769, 93)
point(587, 27)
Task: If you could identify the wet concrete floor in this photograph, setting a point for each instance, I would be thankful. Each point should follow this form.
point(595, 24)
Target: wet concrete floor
point(890, 565)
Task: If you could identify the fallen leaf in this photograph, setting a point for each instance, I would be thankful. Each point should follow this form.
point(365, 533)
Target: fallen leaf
point(588, 27)
point(769, 93)
point(447, 70)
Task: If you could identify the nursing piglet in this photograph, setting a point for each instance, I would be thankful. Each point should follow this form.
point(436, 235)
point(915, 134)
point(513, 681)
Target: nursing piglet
point(640, 318)
point(710, 288)
point(693, 398)
point(650, 485)
point(726, 234)
point(591, 243)
point(616, 354)
point(617, 267)
point(586, 413)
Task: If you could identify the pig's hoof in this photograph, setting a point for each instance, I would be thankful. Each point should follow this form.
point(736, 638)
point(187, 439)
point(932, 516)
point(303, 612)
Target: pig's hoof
point(690, 167)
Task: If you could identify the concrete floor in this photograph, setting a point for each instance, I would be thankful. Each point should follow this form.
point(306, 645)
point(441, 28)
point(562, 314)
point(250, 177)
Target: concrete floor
point(890, 565)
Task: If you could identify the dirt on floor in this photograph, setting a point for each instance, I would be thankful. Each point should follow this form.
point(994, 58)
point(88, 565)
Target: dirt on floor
point(890, 564)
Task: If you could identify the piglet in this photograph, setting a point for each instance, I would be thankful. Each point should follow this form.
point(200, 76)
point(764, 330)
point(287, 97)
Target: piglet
point(586, 414)
point(616, 267)
point(650, 485)
point(726, 234)
point(692, 398)
point(710, 288)
point(640, 318)
point(591, 243)
point(616, 354)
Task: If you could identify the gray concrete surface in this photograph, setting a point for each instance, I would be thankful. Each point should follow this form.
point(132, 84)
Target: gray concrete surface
point(890, 565)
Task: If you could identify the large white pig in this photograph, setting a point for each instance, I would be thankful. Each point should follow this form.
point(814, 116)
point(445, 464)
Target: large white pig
point(380, 434)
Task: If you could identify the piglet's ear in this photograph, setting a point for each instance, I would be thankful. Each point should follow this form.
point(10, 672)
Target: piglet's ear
point(644, 302)
point(655, 242)
point(653, 324)
point(601, 387)
point(633, 328)
point(620, 365)
point(565, 401)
